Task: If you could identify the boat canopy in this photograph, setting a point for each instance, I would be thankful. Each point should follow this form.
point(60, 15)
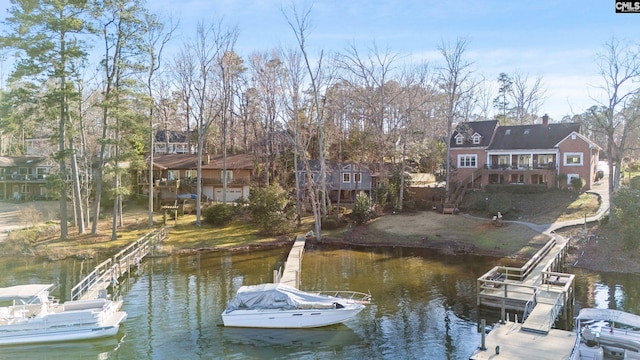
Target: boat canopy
point(277, 296)
point(24, 292)
point(616, 316)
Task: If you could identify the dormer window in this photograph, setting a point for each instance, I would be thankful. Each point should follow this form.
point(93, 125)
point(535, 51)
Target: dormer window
point(459, 139)
point(476, 139)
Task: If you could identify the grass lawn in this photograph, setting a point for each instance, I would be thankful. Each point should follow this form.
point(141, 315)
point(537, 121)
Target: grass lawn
point(421, 228)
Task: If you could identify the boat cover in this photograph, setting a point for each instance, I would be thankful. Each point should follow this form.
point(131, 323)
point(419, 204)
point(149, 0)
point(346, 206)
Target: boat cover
point(616, 316)
point(276, 296)
point(24, 292)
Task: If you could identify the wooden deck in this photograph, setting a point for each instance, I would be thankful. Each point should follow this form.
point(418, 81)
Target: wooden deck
point(291, 273)
point(535, 290)
point(514, 343)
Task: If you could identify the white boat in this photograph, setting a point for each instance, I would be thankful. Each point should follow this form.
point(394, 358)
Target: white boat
point(608, 334)
point(30, 315)
point(285, 307)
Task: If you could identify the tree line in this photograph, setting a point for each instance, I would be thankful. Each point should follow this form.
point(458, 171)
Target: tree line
point(94, 77)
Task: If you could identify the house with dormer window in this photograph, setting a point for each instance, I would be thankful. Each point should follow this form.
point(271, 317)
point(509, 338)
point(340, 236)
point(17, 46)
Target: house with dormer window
point(484, 153)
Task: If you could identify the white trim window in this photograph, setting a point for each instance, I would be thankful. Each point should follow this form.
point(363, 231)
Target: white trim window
point(467, 161)
point(476, 139)
point(573, 159)
point(346, 177)
point(459, 139)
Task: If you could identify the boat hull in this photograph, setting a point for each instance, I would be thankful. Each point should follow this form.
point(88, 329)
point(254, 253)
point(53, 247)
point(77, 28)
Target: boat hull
point(290, 319)
point(44, 334)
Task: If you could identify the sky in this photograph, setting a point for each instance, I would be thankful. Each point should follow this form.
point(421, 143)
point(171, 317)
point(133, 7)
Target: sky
point(555, 39)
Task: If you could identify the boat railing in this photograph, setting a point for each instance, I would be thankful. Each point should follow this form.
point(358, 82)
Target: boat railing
point(352, 296)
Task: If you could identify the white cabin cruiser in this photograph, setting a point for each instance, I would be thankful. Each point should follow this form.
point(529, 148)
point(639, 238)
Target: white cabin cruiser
point(32, 316)
point(285, 307)
point(608, 334)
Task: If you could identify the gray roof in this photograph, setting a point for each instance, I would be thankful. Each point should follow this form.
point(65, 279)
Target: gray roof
point(484, 128)
point(537, 136)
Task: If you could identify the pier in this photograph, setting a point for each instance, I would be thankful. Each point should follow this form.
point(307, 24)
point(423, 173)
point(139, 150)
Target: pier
point(537, 290)
point(111, 270)
point(542, 294)
point(291, 273)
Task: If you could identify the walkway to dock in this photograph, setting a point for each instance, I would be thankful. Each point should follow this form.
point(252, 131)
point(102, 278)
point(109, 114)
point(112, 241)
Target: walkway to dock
point(111, 270)
point(291, 274)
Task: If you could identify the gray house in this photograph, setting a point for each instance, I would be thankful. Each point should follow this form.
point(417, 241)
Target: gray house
point(343, 181)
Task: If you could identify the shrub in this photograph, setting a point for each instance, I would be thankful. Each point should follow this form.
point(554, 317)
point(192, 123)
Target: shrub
point(272, 210)
point(219, 214)
point(627, 210)
point(577, 183)
point(499, 203)
point(561, 180)
point(634, 183)
point(363, 210)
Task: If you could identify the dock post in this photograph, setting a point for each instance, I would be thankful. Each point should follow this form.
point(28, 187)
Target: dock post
point(504, 304)
point(483, 325)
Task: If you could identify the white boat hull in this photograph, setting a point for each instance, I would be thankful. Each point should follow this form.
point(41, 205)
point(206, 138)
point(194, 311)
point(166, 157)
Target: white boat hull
point(290, 319)
point(44, 334)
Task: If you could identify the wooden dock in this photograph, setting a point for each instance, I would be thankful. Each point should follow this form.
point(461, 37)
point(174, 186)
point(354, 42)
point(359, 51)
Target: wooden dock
point(537, 290)
point(291, 274)
point(107, 273)
point(511, 341)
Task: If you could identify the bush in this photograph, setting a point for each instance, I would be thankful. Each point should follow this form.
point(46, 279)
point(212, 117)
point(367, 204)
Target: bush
point(219, 214)
point(499, 203)
point(634, 183)
point(272, 210)
point(627, 211)
point(577, 183)
point(363, 209)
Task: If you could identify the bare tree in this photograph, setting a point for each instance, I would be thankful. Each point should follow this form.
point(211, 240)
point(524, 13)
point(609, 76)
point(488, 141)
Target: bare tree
point(207, 89)
point(454, 75)
point(527, 97)
point(157, 36)
point(620, 71)
point(299, 23)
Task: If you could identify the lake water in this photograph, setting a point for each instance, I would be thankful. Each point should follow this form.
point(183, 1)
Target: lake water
point(424, 305)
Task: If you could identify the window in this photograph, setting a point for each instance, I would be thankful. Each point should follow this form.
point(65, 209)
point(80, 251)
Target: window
point(545, 159)
point(467, 161)
point(229, 176)
point(173, 175)
point(346, 177)
point(191, 174)
point(357, 178)
point(476, 139)
point(458, 140)
point(573, 159)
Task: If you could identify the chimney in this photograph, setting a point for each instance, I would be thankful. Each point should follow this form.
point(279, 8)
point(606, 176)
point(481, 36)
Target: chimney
point(206, 159)
point(545, 119)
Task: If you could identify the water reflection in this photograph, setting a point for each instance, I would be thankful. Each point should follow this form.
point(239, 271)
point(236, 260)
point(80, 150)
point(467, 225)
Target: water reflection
point(424, 305)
